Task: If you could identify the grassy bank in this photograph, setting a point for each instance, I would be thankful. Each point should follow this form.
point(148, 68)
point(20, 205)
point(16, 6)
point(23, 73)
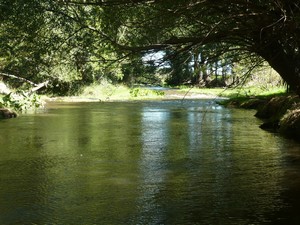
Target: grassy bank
point(109, 92)
point(237, 92)
point(280, 113)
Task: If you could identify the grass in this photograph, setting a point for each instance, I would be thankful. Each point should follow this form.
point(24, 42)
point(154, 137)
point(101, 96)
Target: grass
point(238, 92)
point(105, 92)
point(109, 92)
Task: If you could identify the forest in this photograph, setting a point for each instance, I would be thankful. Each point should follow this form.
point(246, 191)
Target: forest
point(70, 43)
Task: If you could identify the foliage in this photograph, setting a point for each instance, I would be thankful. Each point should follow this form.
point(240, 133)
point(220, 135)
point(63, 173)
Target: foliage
point(135, 71)
point(268, 29)
point(75, 43)
point(179, 69)
point(143, 92)
point(106, 91)
point(49, 40)
point(21, 101)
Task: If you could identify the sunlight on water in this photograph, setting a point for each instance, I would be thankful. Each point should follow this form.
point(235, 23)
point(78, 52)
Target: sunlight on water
point(165, 162)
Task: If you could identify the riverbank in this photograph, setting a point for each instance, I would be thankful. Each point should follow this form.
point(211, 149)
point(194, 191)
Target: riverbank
point(279, 113)
point(107, 92)
point(112, 93)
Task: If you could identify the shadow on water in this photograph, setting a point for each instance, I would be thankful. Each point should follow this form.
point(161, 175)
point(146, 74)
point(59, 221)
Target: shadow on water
point(160, 162)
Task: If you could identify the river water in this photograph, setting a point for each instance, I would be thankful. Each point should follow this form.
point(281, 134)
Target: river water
point(161, 162)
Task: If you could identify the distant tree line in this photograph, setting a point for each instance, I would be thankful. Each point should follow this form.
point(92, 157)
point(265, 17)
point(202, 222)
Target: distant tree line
point(76, 42)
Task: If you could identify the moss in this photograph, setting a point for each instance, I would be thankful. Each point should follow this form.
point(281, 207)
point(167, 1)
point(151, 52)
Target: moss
point(253, 103)
point(279, 113)
point(289, 124)
point(274, 110)
point(270, 109)
point(276, 107)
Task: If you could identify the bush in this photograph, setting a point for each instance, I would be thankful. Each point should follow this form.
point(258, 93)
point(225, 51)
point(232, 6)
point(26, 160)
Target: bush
point(143, 92)
point(21, 101)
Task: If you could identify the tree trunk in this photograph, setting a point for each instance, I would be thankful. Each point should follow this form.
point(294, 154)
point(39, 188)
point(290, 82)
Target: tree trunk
point(197, 74)
point(285, 64)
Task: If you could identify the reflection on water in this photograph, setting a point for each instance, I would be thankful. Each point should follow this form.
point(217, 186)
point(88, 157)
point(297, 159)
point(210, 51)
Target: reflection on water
point(166, 162)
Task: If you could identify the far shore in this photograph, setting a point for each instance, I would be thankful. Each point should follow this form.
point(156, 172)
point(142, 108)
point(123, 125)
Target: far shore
point(170, 94)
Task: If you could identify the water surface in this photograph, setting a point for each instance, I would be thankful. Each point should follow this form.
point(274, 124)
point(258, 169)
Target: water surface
point(161, 162)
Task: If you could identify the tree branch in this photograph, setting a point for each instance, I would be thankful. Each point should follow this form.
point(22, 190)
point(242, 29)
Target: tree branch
point(19, 78)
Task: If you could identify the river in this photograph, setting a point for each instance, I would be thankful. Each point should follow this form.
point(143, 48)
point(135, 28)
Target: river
point(153, 162)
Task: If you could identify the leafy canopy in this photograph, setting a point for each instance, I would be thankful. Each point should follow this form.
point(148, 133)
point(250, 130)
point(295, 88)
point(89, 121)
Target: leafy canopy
point(269, 29)
point(81, 38)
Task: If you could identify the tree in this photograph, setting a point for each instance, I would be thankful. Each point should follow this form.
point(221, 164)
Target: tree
point(269, 29)
point(19, 37)
point(180, 71)
point(51, 40)
point(45, 38)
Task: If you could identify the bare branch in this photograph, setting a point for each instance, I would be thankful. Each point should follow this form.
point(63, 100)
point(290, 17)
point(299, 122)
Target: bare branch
point(19, 78)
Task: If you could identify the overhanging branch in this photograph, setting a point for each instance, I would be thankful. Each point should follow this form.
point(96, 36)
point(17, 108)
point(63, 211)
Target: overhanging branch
point(19, 78)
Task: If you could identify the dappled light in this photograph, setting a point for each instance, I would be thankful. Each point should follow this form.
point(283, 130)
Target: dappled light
point(149, 112)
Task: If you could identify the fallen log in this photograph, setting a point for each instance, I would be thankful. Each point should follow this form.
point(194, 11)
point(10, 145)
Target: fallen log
point(39, 86)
